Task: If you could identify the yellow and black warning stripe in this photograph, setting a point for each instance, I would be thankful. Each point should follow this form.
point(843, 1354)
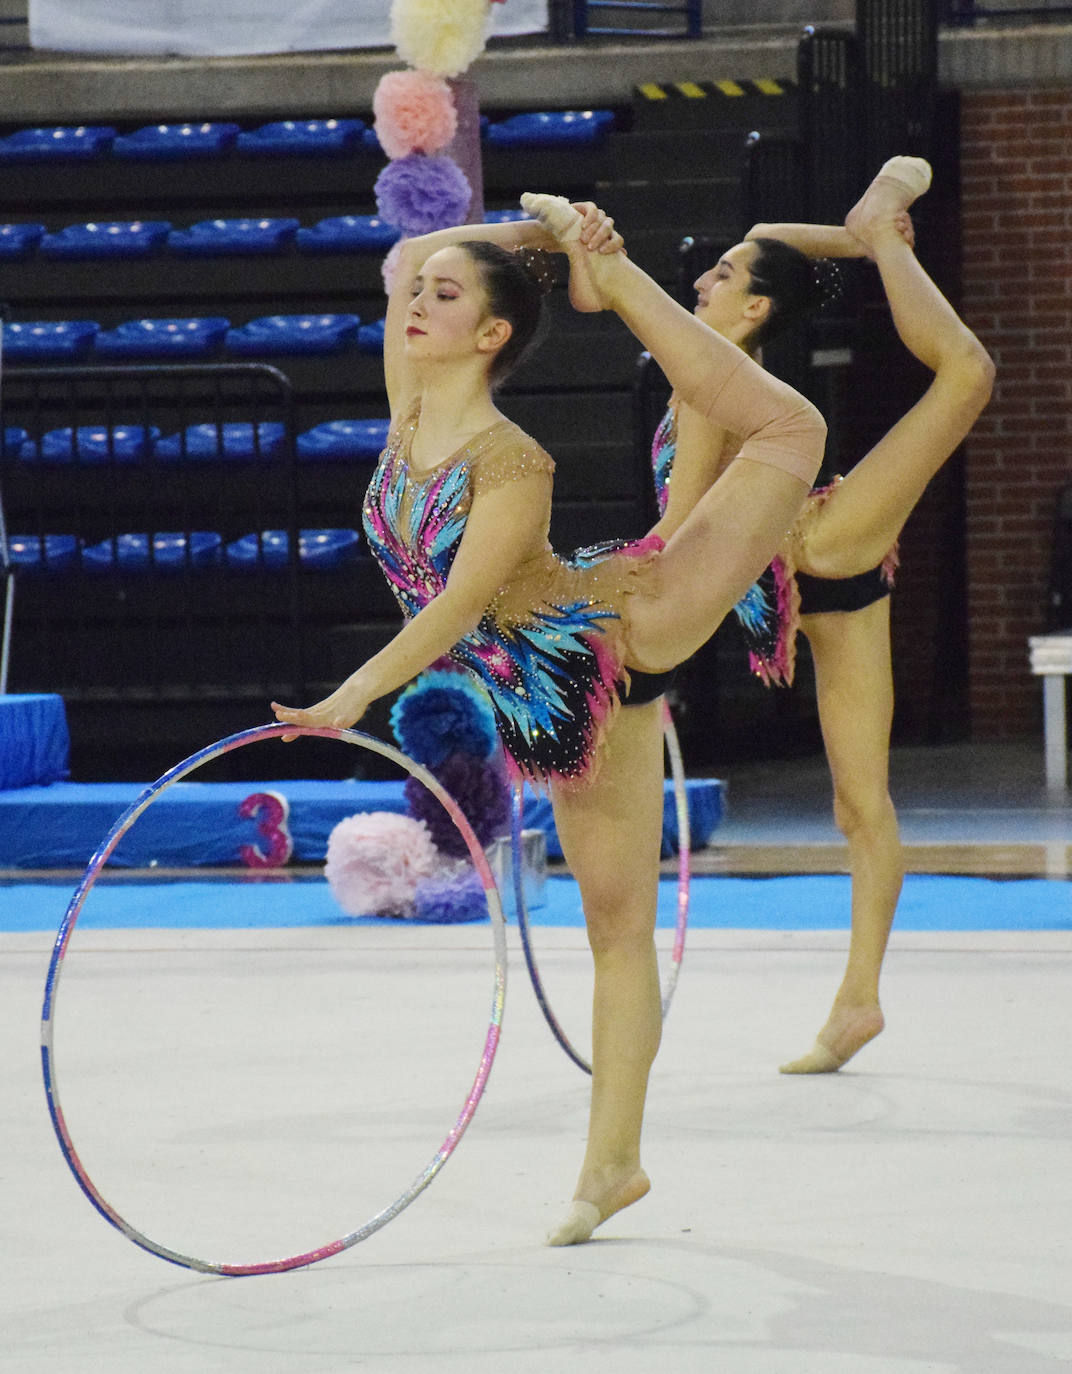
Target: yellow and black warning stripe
point(656, 92)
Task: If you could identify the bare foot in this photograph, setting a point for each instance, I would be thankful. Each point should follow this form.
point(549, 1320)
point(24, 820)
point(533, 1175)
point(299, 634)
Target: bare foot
point(839, 1040)
point(900, 182)
point(564, 224)
point(583, 1217)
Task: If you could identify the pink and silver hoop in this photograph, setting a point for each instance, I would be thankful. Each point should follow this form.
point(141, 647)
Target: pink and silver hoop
point(684, 874)
point(491, 1041)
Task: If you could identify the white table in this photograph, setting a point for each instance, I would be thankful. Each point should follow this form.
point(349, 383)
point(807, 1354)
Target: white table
point(1051, 659)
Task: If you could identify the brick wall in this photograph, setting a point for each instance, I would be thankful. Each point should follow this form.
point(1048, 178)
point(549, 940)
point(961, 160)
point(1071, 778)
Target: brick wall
point(1017, 224)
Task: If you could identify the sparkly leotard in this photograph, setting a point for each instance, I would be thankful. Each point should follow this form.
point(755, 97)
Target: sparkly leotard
point(769, 612)
point(550, 648)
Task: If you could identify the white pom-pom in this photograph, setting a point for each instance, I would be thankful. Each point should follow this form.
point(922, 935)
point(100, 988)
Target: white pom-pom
point(375, 861)
point(440, 36)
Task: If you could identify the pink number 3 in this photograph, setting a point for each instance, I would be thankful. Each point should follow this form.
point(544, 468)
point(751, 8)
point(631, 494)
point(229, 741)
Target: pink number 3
point(273, 810)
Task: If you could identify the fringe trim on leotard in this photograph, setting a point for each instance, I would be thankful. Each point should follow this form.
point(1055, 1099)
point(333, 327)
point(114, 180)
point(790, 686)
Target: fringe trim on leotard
point(776, 667)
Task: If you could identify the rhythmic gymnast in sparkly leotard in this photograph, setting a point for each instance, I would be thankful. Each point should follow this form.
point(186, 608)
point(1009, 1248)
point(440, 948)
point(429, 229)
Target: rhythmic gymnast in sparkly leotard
point(458, 514)
point(834, 572)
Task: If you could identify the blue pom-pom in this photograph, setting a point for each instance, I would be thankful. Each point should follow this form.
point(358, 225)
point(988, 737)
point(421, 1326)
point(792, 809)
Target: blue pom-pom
point(448, 900)
point(480, 789)
point(444, 713)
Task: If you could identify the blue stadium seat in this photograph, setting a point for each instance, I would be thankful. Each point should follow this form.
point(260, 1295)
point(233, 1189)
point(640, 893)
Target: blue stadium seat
point(504, 216)
point(233, 440)
point(46, 553)
point(14, 438)
point(136, 239)
point(370, 337)
point(293, 334)
point(48, 341)
point(56, 144)
point(173, 142)
point(19, 240)
point(93, 444)
point(166, 552)
point(178, 338)
point(302, 138)
point(343, 440)
point(349, 234)
point(213, 238)
point(551, 129)
point(318, 550)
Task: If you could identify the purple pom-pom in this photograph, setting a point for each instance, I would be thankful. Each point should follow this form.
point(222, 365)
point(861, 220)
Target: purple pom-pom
point(479, 788)
point(375, 861)
point(451, 898)
point(419, 194)
point(444, 713)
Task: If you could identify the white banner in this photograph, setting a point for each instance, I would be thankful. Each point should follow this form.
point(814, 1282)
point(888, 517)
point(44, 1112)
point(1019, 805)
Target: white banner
point(207, 28)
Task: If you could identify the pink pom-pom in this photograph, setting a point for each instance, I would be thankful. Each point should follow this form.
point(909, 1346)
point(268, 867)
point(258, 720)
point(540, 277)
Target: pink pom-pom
point(375, 861)
point(414, 113)
point(389, 266)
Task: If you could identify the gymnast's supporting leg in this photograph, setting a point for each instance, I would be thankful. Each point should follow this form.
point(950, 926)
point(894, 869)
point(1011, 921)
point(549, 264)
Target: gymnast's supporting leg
point(854, 685)
point(611, 834)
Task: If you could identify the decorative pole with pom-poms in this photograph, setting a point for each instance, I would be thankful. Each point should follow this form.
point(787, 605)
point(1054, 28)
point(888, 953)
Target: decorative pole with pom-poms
point(415, 866)
point(427, 119)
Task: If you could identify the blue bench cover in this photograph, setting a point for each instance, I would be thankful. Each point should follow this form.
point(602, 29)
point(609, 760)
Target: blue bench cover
point(348, 234)
point(293, 334)
point(173, 338)
point(19, 240)
point(46, 341)
point(34, 742)
point(92, 444)
point(45, 553)
point(136, 239)
point(171, 551)
point(172, 142)
point(320, 550)
point(57, 143)
point(343, 440)
point(229, 237)
point(237, 439)
point(302, 138)
point(551, 129)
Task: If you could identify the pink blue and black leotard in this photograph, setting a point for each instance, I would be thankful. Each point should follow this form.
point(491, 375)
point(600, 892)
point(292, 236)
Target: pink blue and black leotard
point(769, 612)
point(550, 649)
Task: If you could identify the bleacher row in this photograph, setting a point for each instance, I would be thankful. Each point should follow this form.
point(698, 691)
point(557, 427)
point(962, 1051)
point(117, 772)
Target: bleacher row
point(178, 551)
point(185, 339)
point(299, 138)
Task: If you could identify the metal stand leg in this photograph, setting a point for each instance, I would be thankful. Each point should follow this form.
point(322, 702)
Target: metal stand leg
point(1053, 706)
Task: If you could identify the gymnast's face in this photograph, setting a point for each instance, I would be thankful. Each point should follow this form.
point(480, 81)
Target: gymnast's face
point(448, 316)
point(725, 299)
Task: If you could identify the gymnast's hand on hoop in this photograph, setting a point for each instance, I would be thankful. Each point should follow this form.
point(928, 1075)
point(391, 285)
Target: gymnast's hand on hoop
point(343, 708)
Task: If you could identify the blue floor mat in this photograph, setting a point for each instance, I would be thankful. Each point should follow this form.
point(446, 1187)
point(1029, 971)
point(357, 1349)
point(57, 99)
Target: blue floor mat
point(778, 903)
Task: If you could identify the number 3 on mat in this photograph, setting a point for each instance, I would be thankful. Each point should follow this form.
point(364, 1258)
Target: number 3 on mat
point(273, 810)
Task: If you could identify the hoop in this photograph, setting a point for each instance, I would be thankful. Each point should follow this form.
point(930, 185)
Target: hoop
point(66, 929)
point(684, 874)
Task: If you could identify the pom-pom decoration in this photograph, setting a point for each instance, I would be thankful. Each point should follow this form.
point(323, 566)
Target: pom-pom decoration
point(480, 789)
point(419, 194)
point(440, 36)
point(444, 713)
point(414, 113)
point(389, 266)
point(450, 898)
point(375, 861)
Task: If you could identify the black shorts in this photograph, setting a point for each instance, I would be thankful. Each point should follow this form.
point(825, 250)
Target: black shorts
point(647, 687)
point(821, 594)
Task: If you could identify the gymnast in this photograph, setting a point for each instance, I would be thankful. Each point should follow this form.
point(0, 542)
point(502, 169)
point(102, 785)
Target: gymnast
point(832, 576)
point(457, 514)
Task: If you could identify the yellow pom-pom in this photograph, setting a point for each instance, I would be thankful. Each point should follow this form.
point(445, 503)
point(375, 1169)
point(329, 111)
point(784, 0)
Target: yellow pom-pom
point(440, 36)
